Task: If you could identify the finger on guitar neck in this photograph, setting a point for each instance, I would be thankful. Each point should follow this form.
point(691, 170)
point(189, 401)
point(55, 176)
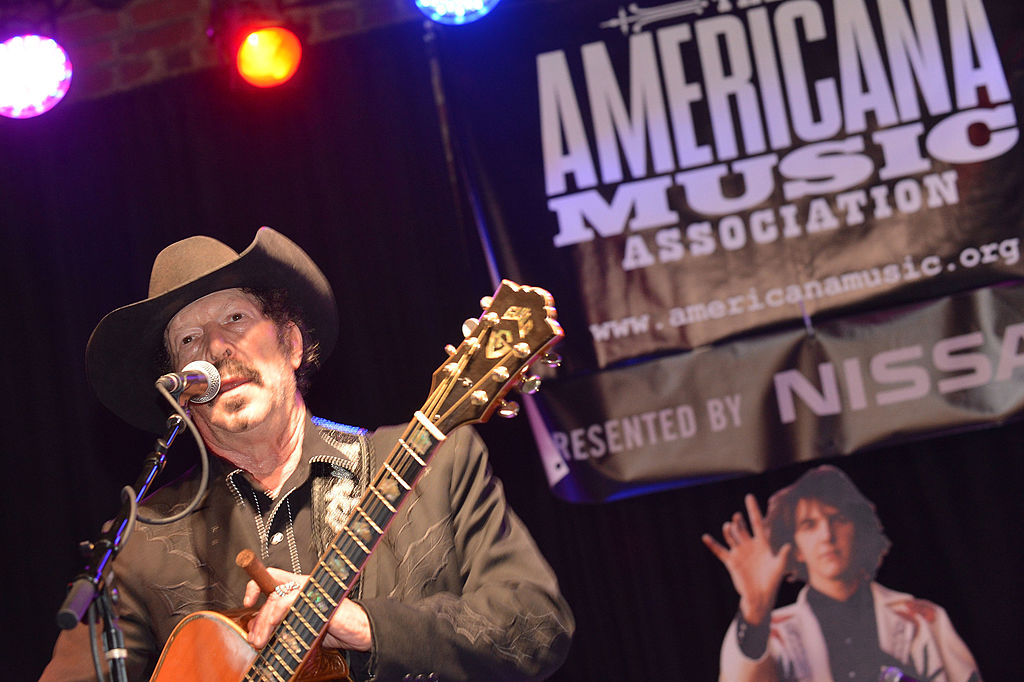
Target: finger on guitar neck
point(248, 560)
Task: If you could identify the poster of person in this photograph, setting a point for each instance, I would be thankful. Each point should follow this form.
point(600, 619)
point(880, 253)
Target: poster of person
point(844, 625)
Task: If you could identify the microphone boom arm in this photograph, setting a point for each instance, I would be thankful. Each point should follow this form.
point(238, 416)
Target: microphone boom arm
point(102, 552)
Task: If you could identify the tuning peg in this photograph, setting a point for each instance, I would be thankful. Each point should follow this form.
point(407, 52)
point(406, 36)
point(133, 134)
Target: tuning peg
point(508, 409)
point(551, 359)
point(486, 302)
point(469, 326)
point(450, 350)
point(530, 385)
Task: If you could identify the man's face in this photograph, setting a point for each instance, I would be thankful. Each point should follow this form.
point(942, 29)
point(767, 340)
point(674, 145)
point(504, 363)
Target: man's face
point(228, 328)
point(824, 539)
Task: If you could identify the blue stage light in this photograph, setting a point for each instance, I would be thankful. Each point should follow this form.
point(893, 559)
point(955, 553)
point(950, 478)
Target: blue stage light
point(455, 12)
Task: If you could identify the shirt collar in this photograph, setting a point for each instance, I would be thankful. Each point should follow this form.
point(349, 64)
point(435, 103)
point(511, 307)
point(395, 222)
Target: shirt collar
point(314, 450)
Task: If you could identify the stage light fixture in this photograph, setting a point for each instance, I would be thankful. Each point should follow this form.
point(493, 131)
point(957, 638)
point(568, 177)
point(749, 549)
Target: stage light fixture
point(35, 74)
point(455, 12)
point(268, 56)
point(255, 39)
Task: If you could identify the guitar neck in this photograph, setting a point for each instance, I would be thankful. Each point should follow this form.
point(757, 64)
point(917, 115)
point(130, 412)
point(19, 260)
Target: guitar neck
point(342, 562)
point(518, 325)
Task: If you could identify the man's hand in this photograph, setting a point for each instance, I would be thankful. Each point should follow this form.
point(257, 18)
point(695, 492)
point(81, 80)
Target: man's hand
point(755, 570)
point(349, 627)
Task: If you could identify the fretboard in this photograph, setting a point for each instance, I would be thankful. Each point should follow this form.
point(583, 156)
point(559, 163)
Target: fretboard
point(339, 567)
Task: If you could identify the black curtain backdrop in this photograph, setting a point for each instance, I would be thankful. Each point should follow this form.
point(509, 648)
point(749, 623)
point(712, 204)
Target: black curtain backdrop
point(348, 161)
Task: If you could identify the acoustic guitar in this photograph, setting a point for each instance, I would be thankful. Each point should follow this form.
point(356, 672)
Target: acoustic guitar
point(517, 327)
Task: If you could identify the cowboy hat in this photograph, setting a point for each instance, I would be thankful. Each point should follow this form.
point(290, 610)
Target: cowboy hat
point(125, 355)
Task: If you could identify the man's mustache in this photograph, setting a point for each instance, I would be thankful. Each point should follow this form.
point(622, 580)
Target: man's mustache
point(237, 369)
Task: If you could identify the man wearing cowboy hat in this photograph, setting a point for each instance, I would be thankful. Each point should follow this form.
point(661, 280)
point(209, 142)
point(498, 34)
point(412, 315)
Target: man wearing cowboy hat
point(456, 588)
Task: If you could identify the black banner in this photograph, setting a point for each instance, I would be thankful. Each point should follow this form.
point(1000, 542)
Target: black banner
point(693, 173)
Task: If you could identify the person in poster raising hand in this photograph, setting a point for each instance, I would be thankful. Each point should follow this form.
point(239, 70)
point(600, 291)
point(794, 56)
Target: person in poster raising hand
point(844, 625)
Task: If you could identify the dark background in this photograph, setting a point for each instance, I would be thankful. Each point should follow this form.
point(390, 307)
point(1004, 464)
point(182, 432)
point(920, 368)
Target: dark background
point(348, 161)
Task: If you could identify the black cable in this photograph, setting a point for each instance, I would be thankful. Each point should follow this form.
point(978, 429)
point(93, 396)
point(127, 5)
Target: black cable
point(204, 459)
point(92, 642)
point(128, 495)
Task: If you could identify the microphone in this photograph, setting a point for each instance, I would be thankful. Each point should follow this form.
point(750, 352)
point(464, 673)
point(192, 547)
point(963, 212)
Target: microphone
point(894, 674)
point(199, 381)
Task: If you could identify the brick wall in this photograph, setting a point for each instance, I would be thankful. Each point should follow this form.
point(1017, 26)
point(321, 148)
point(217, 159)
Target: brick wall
point(150, 40)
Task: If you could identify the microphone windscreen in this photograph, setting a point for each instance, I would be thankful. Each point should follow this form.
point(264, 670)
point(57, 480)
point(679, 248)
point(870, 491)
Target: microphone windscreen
point(212, 379)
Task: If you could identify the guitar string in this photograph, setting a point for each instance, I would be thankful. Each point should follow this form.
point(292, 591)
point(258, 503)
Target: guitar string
point(301, 609)
point(307, 611)
point(371, 507)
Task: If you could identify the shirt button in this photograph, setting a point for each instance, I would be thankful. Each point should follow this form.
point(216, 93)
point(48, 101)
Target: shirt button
point(276, 538)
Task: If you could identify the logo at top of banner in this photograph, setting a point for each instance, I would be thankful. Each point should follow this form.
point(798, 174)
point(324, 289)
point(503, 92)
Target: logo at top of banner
point(634, 18)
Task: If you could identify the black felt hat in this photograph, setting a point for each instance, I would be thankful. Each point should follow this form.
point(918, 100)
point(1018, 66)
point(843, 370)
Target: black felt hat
point(124, 356)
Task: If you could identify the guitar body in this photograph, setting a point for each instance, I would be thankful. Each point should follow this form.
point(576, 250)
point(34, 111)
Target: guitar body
point(206, 647)
point(210, 647)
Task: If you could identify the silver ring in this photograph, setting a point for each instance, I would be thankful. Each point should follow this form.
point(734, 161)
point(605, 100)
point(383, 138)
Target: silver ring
point(285, 589)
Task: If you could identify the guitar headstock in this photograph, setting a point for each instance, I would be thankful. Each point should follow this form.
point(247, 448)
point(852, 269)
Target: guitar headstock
point(517, 327)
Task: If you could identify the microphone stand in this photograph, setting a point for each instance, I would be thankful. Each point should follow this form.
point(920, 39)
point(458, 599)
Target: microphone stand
point(94, 582)
point(113, 637)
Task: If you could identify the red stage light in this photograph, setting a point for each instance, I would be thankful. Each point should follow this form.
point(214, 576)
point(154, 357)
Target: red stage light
point(268, 56)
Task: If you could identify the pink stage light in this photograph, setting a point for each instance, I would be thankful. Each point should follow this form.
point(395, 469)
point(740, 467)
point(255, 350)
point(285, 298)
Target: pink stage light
point(35, 74)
